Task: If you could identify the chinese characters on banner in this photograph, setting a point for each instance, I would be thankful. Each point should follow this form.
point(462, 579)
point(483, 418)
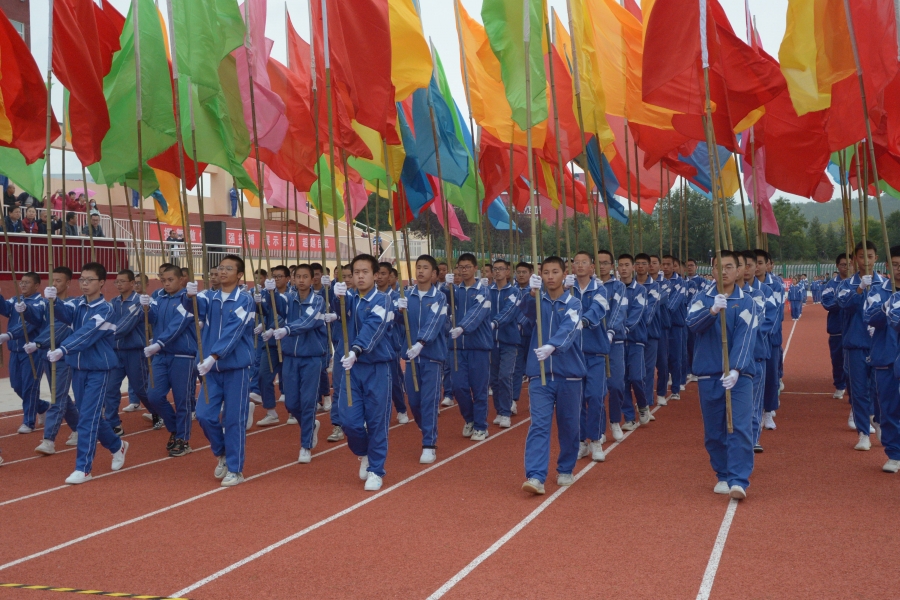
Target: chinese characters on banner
point(274, 240)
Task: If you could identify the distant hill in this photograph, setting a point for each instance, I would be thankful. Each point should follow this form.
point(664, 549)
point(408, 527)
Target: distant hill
point(830, 212)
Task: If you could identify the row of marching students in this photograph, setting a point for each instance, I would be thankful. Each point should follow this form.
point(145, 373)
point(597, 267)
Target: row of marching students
point(864, 339)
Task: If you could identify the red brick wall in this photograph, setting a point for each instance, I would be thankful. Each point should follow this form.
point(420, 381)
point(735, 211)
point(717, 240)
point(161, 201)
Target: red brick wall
point(19, 10)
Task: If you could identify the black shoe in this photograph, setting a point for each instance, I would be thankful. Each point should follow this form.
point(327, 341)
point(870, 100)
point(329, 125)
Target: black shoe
point(119, 431)
point(171, 443)
point(180, 448)
point(158, 423)
point(757, 449)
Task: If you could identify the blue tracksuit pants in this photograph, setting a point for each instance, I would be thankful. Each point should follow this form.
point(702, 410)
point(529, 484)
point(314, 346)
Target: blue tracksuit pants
point(470, 386)
point(254, 368)
point(503, 372)
point(889, 402)
point(300, 378)
point(634, 379)
point(662, 368)
point(89, 388)
point(64, 408)
point(448, 375)
point(616, 382)
point(675, 352)
point(835, 347)
point(519, 372)
point(27, 386)
point(175, 373)
point(651, 349)
point(759, 389)
point(132, 364)
point(324, 385)
point(771, 394)
point(264, 381)
point(730, 454)
point(689, 356)
point(562, 396)
point(861, 400)
point(398, 386)
point(366, 422)
point(795, 309)
point(592, 422)
point(224, 418)
point(425, 403)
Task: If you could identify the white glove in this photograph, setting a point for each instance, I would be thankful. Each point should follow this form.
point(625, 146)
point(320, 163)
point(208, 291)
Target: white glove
point(270, 285)
point(50, 292)
point(206, 366)
point(145, 300)
point(257, 297)
point(280, 333)
point(259, 329)
point(448, 278)
point(866, 281)
point(871, 331)
point(267, 335)
point(340, 289)
point(30, 348)
point(535, 282)
point(326, 280)
point(414, 350)
point(729, 380)
point(54, 355)
point(191, 288)
point(402, 303)
point(720, 302)
point(348, 361)
point(570, 281)
point(4, 337)
point(329, 317)
point(544, 352)
point(484, 281)
point(493, 325)
point(152, 349)
point(456, 332)
point(610, 334)
point(20, 307)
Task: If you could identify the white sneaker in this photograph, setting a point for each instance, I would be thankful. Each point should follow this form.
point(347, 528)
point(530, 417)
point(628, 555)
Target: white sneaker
point(268, 420)
point(479, 436)
point(661, 400)
point(565, 479)
point(514, 409)
point(631, 425)
point(281, 398)
point(373, 483)
point(681, 388)
point(147, 417)
point(597, 454)
point(490, 391)
point(504, 423)
point(850, 422)
point(78, 477)
point(448, 401)
point(250, 416)
point(46, 447)
point(232, 479)
point(669, 381)
point(838, 394)
point(315, 440)
point(781, 385)
point(497, 420)
point(737, 492)
point(363, 467)
point(871, 428)
point(221, 468)
point(644, 416)
point(602, 439)
point(326, 403)
point(131, 408)
point(292, 420)
point(863, 443)
point(39, 421)
point(305, 456)
point(877, 428)
point(533, 486)
point(675, 397)
point(891, 466)
point(429, 455)
point(768, 421)
point(583, 450)
point(402, 418)
point(337, 434)
point(73, 439)
point(722, 488)
point(691, 378)
point(255, 398)
point(468, 429)
point(118, 458)
point(617, 432)
point(23, 428)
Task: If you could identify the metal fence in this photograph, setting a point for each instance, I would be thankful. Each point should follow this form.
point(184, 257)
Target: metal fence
point(792, 271)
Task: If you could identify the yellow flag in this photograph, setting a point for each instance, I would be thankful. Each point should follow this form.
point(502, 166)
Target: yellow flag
point(550, 182)
point(730, 181)
point(410, 58)
point(252, 198)
point(168, 211)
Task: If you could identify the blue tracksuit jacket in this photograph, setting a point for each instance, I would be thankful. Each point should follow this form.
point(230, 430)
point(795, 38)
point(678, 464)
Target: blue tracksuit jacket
point(14, 326)
point(304, 320)
point(429, 322)
point(834, 323)
point(90, 346)
point(227, 326)
point(505, 314)
point(172, 318)
point(128, 315)
point(595, 310)
point(561, 328)
point(473, 311)
point(740, 323)
point(856, 335)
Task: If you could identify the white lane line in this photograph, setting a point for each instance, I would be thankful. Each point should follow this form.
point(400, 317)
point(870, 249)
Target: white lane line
point(519, 527)
point(70, 449)
point(9, 435)
point(346, 511)
point(11, 416)
point(712, 566)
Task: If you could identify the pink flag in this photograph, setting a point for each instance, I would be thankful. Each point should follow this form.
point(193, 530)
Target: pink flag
point(761, 205)
point(358, 197)
point(456, 229)
point(271, 121)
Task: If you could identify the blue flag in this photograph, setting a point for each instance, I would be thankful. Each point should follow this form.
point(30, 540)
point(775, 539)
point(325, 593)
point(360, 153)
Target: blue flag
point(498, 215)
point(418, 190)
point(595, 159)
point(454, 155)
point(699, 159)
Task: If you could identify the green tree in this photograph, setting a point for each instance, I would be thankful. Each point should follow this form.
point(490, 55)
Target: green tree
point(793, 243)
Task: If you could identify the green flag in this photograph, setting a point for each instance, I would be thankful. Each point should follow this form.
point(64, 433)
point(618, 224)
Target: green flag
point(323, 170)
point(504, 23)
point(30, 178)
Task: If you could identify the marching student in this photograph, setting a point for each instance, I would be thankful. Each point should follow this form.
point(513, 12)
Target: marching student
point(796, 296)
point(304, 344)
point(774, 364)
point(426, 310)
point(365, 423)
point(664, 315)
point(754, 269)
point(596, 319)
point(473, 348)
point(564, 371)
point(89, 353)
point(524, 271)
point(129, 339)
point(443, 270)
point(64, 407)
point(615, 332)
point(730, 454)
point(834, 326)
point(173, 349)
point(397, 336)
point(676, 307)
point(321, 282)
point(652, 320)
point(227, 317)
point(268, 349)
point(635, 337)
point(693, 283)
point(25, 382)
point(504, 323)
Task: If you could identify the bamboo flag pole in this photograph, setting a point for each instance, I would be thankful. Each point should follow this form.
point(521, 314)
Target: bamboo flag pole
point(659, 215)
point(63, 209)
point(682, 247)
point(760, 240)
point(90, 226)
point(112, 225)
point(863, 229)
point(509, 205)
point(628, 180)
point(737, 171)
point(51, 303)
point(143, 273)
point(869, 144)
point(205, 253)
point(183, 189)
point(669, 208)
point(337, 246)
point(724, 204)
point(348, 205)
point(637, 172)
point(528, 125)
point(297, 225)
point(245, 247)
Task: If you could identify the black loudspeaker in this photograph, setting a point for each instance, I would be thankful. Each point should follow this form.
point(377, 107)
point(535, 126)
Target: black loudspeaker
point(215, 232)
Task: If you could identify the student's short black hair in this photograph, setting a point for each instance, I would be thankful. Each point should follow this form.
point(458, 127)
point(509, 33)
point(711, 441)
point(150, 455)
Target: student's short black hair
point(304, 266)
point(237, 260)
point(671, 257)
point(527, 265)
point(467, 257)
point(95, 268)
point(760, 253)
point(316, 267)
point(501, 261)
point(171, 269)
point(444, 264)
point(585, 253)
point(641, 256)
point(366, 258)
point(554, 260)
point(690, 260)
point(185, 272)
point(262, 272)
point(869, 246)
point(429, 259)
point(749, 256)
point(284, 270)
point(165, 266)
point(34, 277)
point(395, 272)
point(729, 254)
point(656, 256)
point(608, 253)
point(385, 265)
point(626, 256)
point(840, 257)
point(895, 251)
point(128, 273)
point(64, 271)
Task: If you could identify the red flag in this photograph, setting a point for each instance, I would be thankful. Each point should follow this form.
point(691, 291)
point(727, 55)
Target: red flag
point(569, 132)
point(648, 193)
point(109, 29)
point(402, 212)
point(168, 162)
point(493, 164)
